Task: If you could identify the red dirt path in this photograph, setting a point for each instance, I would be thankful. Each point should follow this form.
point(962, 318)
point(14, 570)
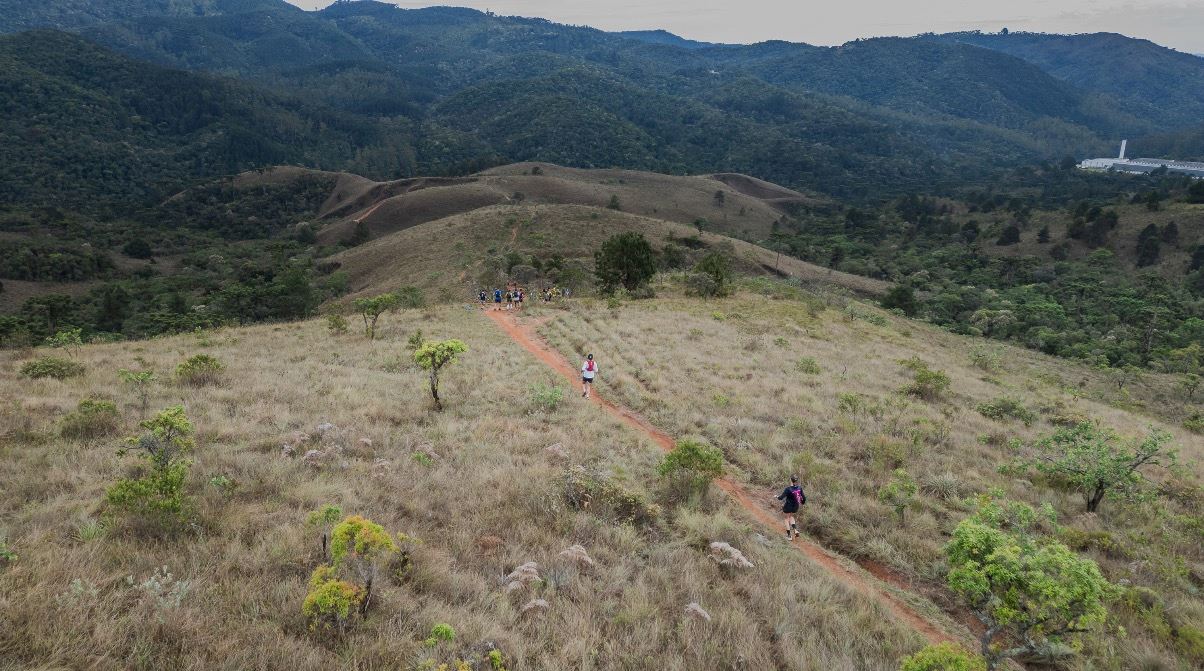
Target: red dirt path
point(531, 341)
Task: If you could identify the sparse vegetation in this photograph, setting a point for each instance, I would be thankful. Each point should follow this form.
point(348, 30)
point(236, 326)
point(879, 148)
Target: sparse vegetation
point(1007, 408)
point(140, 381)
point(899, 493)
point(200, 370)
point(943, 657)
point(433, 357)
point(927, 384)
point(336, 323)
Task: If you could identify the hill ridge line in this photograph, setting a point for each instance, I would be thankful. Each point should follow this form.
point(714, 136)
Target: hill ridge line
point(827, 560)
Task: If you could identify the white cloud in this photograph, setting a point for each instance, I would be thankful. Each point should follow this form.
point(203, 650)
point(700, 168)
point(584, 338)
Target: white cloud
point(1174, 23)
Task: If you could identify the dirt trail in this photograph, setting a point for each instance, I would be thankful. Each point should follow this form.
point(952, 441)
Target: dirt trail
point(535, 344)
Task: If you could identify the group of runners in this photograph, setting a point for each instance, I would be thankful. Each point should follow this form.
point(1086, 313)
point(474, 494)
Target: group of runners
point(513, 296)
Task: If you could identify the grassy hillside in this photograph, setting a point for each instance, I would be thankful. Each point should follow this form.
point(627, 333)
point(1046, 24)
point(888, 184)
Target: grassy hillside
point(452, 258)
point(479, 488)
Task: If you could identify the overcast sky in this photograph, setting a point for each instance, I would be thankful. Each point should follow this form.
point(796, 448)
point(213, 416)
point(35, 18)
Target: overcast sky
point(1173, 23)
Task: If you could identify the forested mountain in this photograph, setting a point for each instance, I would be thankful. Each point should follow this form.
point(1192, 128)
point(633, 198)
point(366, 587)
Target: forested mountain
point(18, 15)
point(1162, 84)
point(90, 130)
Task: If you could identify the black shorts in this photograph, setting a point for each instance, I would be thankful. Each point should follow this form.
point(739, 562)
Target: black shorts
point(587, 380)
point(789, 511)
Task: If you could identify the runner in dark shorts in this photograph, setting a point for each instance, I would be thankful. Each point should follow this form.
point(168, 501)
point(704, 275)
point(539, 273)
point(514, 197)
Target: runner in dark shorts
point(792, 499)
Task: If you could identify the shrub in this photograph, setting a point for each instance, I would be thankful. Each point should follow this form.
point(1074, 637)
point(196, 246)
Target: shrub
point(902, 298)
point(433, 356)
point(440, 633)
point(943, 657)
point(52, 367)
point(808, 366)
point(199, 370)
point(92, 418)
point(415, 341)
point(1006, 408)
point(336, 324)
point(324, 518)
point(157, 496)
point(331, 603)
point(7, 556)
point(692, 463)
point(899, 493)
point(986, 358)
point(589, 489)
point(1194, 422)
point(140, 381)
point(927, 384)
point(410, 298)
point(1038, 593)
point(711, 277)
point(546, 398)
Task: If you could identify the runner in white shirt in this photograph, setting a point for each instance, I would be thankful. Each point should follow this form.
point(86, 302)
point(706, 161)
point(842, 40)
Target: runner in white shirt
point(589, 368)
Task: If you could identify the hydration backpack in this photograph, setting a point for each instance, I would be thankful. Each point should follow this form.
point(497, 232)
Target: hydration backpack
point(589, 365)
point(799, 497)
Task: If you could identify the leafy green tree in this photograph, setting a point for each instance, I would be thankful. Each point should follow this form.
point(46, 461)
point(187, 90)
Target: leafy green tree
point(1098, 463)
point(1149, 246)
point(138, 248)
point(625, 260)
point(943, 657)
point(901, 297)
point(433, 356)
point(1009, 236)
point(372, 308)
point(899, 493)
point(71, 341)
point(1031, 592)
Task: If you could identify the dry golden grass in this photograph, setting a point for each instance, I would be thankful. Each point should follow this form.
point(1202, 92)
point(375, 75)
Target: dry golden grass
point(726, 371)
point(248, 553)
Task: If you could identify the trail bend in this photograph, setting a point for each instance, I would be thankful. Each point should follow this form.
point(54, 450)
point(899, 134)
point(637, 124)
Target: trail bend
point(530, 340)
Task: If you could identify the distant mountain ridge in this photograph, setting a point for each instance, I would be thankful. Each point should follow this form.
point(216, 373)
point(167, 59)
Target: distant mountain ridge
point(458, 90)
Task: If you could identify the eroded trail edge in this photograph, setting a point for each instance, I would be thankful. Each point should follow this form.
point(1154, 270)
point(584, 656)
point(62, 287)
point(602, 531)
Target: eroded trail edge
point(535, 344)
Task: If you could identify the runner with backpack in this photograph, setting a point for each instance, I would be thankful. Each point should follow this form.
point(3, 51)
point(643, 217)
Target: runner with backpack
point(792, 499)
point(589, 368)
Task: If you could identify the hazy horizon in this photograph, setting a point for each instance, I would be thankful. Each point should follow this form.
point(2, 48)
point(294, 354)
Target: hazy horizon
point(1172, 23)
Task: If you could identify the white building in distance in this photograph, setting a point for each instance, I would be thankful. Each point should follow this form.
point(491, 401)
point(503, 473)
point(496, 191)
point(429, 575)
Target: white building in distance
point(1143, 165)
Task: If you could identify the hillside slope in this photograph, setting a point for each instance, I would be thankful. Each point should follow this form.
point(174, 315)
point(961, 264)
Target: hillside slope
point(493, 482)
point(452, 258)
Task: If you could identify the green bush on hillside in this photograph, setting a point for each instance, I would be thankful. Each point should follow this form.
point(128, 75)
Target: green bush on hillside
point(199, 370)
point(92, 418)
point(927, 384)
point(52, 367)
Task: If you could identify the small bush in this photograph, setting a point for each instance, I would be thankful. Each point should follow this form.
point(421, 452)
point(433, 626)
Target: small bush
point(927, 384)
point(415, 341)
point(440, 633)
point(590, 489)
point(943, 657)
point(199, 370)
point(92, 418)
point(986, 358)
point(337, 324)
point(693, 464)
point(1195, 422)
point(1002, 409)
point(157, 496)
point(71, 341)
point(331, 603)
point(899, 493)
point(546, 398)
point(52, 367)
point(808, 366)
